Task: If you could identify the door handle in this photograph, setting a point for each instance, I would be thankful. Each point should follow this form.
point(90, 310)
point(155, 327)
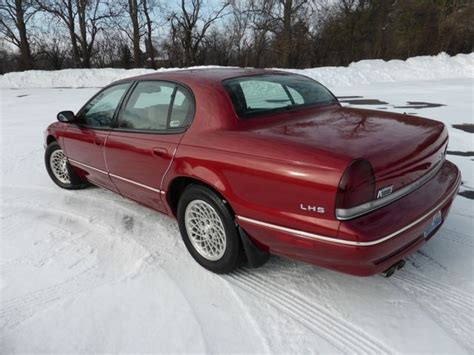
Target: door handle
point(98, 141)
point(159, 152)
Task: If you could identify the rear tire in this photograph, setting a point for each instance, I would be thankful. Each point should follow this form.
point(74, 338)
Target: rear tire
point(59, 169)
point(208, 230)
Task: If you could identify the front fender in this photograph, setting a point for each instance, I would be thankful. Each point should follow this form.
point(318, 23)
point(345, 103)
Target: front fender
point(54, 131)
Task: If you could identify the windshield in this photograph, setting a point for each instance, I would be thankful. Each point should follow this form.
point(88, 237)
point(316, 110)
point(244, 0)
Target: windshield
point(260, 94)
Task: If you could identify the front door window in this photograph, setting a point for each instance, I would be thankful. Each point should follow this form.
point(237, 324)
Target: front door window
point(99, 112)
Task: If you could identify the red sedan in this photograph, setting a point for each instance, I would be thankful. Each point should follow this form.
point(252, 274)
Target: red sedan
point(259, 162)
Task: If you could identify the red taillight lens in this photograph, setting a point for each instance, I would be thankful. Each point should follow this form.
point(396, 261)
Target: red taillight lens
point(357, 185)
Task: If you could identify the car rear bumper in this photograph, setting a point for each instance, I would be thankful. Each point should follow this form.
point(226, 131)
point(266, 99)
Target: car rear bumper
point(371, 243)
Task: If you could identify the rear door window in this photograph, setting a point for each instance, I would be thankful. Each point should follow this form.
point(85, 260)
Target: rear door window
point(157, 106)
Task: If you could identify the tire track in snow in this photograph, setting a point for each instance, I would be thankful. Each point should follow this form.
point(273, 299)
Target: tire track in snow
point(252, 321)
point(468, 236)
point(457, 237)
point(43, 211)
point(423, 284)
point(451, 308)
point(328, 325)
point(16, 310)
point(142, 236)
point(92, 193)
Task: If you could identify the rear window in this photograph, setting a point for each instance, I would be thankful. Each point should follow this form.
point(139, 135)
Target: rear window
point(261, 94)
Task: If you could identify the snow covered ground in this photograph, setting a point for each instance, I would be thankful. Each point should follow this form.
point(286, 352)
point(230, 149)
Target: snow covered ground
point(89, 271)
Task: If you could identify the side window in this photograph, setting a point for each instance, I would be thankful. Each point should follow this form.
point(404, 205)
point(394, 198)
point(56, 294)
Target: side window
point(148, 108)
point(260, 94)
point(99, 112)
point(182, 110)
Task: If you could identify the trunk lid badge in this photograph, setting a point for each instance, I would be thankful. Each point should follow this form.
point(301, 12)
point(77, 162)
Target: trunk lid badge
point(384, 191)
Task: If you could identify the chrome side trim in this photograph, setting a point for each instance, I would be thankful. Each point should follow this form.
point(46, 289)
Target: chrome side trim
point(88, 166)
point(135, 183)
point(297, 232)
point(350, 242)
point(116, 176)
point(349, 213)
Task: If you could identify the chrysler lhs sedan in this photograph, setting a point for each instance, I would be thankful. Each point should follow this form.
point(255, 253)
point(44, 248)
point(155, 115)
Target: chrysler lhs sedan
point(258, 162)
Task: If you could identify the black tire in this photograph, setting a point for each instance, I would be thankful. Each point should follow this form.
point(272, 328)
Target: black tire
point(233, 254)
point(75, 182)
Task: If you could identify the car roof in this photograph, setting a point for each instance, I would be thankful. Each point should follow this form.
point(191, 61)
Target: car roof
point(204, 75)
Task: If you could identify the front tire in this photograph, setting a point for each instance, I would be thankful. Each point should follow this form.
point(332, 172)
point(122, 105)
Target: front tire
point(208, 230)
point(59, 169)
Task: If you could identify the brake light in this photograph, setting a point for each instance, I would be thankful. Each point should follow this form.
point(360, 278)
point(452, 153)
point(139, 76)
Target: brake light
point(357, 185)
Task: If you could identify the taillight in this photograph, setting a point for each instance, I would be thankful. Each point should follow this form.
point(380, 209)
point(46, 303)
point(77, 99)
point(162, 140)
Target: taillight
point(357, 185)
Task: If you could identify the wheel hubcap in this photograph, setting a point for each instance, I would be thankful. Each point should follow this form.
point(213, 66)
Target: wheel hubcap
point(205, 230)
point(58, 163)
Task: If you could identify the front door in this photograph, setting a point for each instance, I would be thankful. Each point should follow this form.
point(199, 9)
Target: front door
point(140, 149)
point(84, 141)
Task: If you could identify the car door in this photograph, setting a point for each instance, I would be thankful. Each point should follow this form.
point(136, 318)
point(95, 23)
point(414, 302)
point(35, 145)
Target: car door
point(84, 141)
point(140, 149)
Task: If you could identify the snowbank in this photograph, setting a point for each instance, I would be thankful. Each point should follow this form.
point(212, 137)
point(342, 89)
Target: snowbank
point(437, 67)
point(441, 66)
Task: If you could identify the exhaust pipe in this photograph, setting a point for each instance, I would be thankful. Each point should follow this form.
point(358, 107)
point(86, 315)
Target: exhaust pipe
point(391, 270)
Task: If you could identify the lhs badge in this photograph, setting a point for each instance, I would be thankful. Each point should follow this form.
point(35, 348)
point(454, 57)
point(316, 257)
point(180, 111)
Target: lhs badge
point(312, 208)
point(385, 191)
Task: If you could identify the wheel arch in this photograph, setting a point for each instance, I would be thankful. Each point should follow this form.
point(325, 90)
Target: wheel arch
point(50, 139)
point(177, 186)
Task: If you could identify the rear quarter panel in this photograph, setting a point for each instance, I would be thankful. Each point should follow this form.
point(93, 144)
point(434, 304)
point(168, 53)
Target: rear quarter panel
point(264, 189)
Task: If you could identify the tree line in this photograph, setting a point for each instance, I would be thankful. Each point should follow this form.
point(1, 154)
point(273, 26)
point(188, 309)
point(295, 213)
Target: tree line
point(57, 34)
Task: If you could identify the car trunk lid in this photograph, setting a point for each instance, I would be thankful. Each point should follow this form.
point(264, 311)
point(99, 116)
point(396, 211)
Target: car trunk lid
point(400, 148)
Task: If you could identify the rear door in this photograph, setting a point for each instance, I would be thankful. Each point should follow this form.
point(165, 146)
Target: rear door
point(84, 141)
point(140, 149)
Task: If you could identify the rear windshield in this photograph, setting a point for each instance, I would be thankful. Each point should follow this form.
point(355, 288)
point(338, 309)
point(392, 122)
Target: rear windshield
point(260, 94)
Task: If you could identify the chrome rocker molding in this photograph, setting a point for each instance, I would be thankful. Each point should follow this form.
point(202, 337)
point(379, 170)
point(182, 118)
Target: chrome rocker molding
point(117, 177)
point(349, 213)
point(88, 166)
point(313, 236)
point(135, 183)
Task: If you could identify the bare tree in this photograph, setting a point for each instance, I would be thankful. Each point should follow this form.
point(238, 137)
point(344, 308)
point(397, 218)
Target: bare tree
point(112, 50)
point(53, 34)
point(238, 32)
point(133, 11)
point(290, 9)
point(262, 25)
point(192, 24)
point(279, 17)
point(14, 17)
point(51, 48)
point(136, 25)
point(83, 19)
point(147, 7)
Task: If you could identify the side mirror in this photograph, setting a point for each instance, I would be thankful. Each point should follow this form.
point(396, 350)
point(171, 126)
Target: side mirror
point(66, 116)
